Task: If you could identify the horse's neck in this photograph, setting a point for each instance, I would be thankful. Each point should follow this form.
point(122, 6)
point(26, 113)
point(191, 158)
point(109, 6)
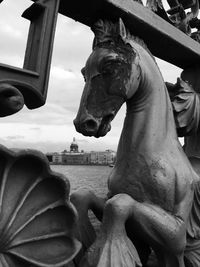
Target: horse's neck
point(149, 123)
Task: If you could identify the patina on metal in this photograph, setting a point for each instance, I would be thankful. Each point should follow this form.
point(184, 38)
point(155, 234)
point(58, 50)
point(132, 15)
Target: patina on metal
point(164, 40)
point(37, 225)
point(37, 219)
point(152, 187)
point(32, 80)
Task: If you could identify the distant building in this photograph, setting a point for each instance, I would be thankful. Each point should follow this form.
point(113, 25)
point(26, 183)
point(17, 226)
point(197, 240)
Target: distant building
point(74, 157)
point(87, 158)
point(57, 158)
point(102, 157)
point(74, 146)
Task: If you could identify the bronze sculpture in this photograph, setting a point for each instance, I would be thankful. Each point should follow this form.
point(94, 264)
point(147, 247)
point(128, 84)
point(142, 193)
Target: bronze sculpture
point(37, 219)
point(157, 209)
point(153, 188)
point(178, 14)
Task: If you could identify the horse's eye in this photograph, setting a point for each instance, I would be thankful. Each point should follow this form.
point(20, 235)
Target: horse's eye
point(111, 67)
point(106, 68)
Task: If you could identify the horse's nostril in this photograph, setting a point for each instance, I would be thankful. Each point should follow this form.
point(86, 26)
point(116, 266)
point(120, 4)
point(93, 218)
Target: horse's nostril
point(90, 124)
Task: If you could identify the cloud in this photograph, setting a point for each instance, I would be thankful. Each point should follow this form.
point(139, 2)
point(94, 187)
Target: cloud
point(50, 114)
point(35, 128)
point(50, 138)
point(169, 71)
point(65, 89)
point(50, 128)
point(9, 31)
point(82, 141)
point(73, 44)
point(14, 137)
point(62, 74)
point(14, 32)
point(44, 147)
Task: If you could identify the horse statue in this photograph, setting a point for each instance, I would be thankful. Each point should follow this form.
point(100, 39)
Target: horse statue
point(153, 190)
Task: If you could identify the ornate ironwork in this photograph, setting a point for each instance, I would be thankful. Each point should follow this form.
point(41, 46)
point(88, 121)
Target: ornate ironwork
point(37, 219)
point(32, 197)
point(32, 79)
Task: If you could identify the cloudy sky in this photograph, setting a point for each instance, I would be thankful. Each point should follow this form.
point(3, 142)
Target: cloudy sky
point(50, 128)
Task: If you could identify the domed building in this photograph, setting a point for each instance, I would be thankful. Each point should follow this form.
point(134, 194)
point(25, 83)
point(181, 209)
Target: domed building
point(74, 157)
point(74, 146)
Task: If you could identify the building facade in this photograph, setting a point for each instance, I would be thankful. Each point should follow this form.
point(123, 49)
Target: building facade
point(55, 158)
point(74, 157)
point(102, 157)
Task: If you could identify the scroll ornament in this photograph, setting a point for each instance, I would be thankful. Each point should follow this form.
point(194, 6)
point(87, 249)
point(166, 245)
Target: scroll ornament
point(179, 16)
point(37, 220)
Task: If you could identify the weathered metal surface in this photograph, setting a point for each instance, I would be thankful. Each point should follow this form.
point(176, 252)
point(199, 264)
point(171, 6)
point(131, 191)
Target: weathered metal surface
point(163, 39)
point(32, 80)
point(11, 100)
point(37, 219)
point(152, 187)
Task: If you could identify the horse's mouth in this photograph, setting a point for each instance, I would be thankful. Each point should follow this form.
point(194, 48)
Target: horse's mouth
point(104, 128)
point(96, 127)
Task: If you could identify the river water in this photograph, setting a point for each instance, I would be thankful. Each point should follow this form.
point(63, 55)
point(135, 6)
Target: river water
point(84, 176)
point(92, 177)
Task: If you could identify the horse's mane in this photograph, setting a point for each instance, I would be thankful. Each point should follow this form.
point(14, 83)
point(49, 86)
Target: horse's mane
point(107, 32)
point(139, 41)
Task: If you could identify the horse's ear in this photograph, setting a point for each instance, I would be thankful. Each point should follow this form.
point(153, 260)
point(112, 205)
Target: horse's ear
point(122, 29)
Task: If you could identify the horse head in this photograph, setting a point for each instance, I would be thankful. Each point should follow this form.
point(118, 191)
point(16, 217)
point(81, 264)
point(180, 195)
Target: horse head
point(111, 77)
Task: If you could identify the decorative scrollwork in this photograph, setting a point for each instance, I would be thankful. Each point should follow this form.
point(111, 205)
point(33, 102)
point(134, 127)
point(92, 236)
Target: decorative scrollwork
point(11, 100)
point(178, 16)
point(37, 219)
point(32, 79)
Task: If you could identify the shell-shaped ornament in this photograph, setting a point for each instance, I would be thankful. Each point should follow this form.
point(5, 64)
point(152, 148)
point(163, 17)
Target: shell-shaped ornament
point(37, 220)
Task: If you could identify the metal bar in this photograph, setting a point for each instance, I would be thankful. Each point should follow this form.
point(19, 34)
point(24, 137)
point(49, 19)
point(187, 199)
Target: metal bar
point(32, 80)
point(164, 40)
